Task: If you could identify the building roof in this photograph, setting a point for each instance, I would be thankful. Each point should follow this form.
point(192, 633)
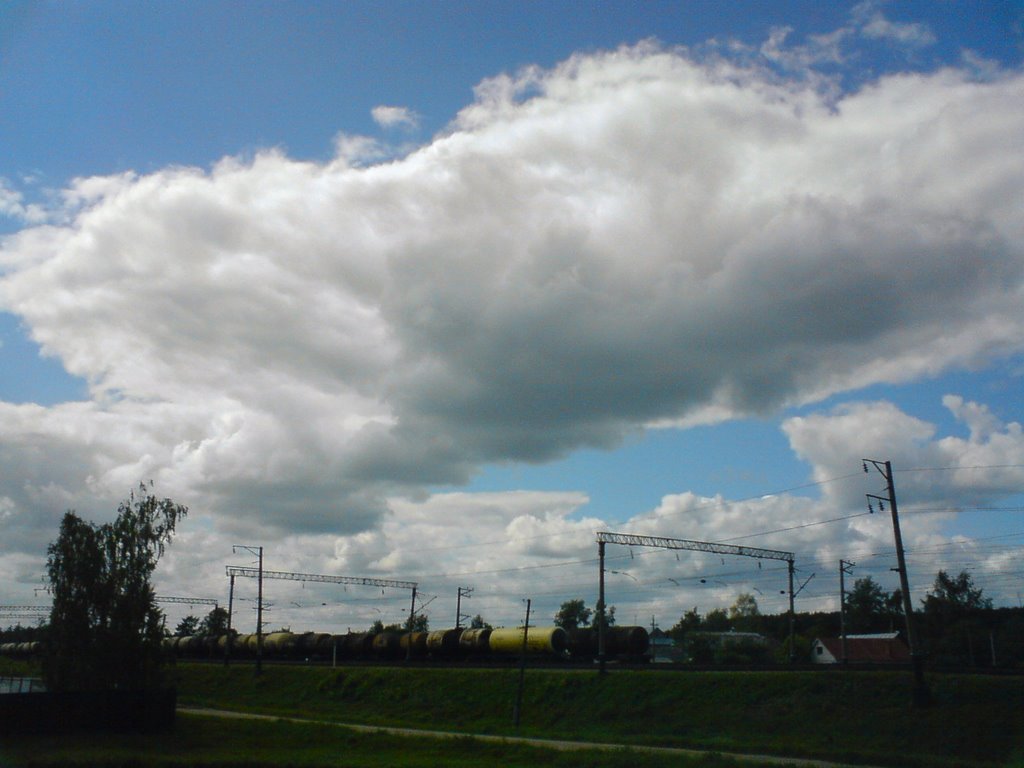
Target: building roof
point(879, 650)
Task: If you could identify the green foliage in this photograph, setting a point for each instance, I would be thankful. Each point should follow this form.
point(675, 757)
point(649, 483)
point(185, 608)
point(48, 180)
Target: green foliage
point(688, 622)
point(187, 626)
point(478, 623)
point(744, 613)
point(105, 627)
point(699, 649)
point(573, 614)
point(215, 622)
point(866, 606)
point(716, 621)
point(955, 595)
point(957, 620)
point(743, 652)
point(801, 649)
point(419, 623)
point(744, 607)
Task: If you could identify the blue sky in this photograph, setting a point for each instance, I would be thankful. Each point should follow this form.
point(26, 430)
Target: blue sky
point(249, 253)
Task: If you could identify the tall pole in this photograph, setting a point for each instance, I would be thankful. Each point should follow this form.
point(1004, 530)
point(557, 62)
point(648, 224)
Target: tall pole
point(227, 640)
point(600, 608)
point(921, 694)
point(792, 616)
point(843, 565)
point(259, 619)
point(412, 617)
point(522, 668)
point(258, 551)
point(463, 592)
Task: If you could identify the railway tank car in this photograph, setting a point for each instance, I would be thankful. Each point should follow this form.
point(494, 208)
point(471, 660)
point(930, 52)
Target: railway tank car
point(554, 643)
point(619, 642)
point(548, 641)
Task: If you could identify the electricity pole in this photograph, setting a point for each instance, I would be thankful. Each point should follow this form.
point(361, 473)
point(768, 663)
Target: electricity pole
point(845, 567)
point(258, 551)
point(412, 618)
point(463, 592)
point(921, 694)
point(792, 616)
point(522, 668)
point(600, 607)
point(231, 602)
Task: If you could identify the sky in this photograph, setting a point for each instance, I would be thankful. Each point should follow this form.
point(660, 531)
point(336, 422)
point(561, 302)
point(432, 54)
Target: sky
point(434, 292)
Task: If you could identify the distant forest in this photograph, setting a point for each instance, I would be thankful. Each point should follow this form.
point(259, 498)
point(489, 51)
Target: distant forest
point(957, 626)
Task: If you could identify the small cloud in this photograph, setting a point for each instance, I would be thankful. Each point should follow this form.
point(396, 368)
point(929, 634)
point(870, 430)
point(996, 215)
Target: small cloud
point(390, 117)
point(983, 69)
point(357, 151)
point(818, 49)
point(12, 205)
point(874, 25)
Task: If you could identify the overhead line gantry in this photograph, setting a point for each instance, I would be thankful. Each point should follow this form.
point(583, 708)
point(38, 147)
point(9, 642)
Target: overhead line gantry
point(24, 611)
point(188, 600)
point(661, 542)
point(366, 581)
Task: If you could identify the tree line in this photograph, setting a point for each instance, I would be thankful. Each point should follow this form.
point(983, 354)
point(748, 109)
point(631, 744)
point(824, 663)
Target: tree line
point(956, 624)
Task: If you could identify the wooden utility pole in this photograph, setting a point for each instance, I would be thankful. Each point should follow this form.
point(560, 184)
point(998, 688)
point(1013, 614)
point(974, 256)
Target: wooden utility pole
point(921, 693)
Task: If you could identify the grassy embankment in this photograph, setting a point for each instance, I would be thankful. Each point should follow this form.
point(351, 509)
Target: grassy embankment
point(975, 721)
point(855, 717)
point(205, 742)
point(201, 742)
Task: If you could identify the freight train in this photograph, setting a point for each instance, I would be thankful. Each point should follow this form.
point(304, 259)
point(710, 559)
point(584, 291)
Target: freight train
point(621, 643)
point(21, 650)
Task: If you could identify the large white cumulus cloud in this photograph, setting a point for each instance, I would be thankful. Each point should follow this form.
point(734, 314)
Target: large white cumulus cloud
point(630, 238)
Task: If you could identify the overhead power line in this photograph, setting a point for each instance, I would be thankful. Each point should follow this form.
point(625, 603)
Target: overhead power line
point(798, 527)
point(661, 542)
point(188, 600)
point(248, 572)
point(25, 608)
point(955, 469)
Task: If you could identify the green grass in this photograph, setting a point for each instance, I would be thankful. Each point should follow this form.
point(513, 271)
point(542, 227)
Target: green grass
point(18, 668)
point(200, 742)
point(975, 721)
point(855, 717)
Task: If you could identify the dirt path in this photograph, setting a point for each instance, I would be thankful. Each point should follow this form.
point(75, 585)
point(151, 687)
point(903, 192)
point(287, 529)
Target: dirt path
point(796, 762)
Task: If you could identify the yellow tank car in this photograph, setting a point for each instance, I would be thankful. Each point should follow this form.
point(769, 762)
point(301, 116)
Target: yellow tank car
point(249, 642)
point(539, 640)
point(279, 644)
